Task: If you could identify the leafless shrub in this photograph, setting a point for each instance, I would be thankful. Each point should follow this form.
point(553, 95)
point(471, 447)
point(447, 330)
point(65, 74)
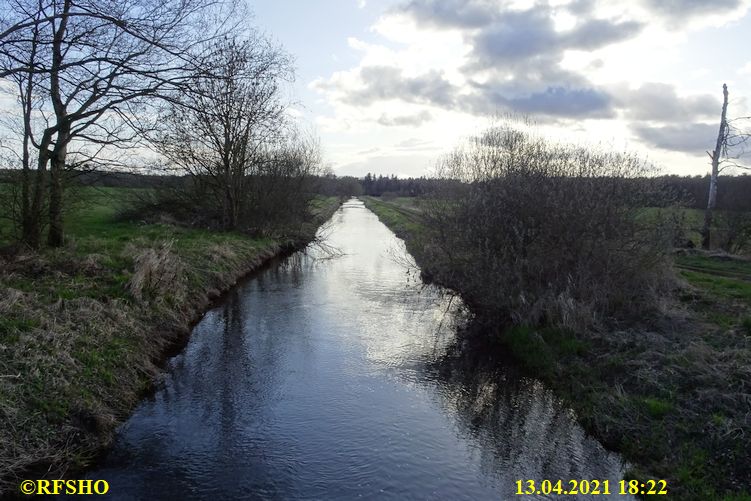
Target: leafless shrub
point(545, 233)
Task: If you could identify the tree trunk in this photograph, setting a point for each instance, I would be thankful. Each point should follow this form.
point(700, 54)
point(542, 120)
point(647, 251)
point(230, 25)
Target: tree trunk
point(25, 189)
point(712, 199)
point(31, 229)
point(228, 210)
point(30, 234)
point(55, 236)
point(27, 95)
point(59, 153)
point(33, 233)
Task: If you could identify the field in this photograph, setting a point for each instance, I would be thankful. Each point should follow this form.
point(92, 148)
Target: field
point(84, 328)
point(669, 392)
point(401, 214)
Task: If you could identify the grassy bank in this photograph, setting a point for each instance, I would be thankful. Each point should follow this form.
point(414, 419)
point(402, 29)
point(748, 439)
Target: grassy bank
point(401, 215)
point(84, 328)
point(670, 392)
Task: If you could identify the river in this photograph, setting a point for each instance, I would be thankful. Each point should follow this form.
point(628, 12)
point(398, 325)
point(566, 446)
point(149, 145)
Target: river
point(335, 374)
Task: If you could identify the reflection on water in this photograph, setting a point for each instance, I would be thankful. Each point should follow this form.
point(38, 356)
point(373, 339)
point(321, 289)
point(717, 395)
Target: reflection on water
point(340, 378)
point(521, 428)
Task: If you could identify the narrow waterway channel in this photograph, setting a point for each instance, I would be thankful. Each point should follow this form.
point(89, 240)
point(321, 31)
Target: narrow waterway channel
point(335, 376)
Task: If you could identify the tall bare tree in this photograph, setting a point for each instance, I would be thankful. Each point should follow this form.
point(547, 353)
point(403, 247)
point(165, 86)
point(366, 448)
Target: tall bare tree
point(715, 156)
point(230, 131)
point(100, 64)
point(25, 83)
point(728, 153)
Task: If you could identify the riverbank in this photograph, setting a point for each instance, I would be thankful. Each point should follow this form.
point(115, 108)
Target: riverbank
point(668, 391)
point(84, 328)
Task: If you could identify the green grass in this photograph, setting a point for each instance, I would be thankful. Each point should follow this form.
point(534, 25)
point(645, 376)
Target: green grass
point(721, 287)
point(89, 210)
point(409, 203)
point(540, 349)
point(729, 267)
point(688, 221)
point(528, 346)
point(656, 407)
point(400, 214)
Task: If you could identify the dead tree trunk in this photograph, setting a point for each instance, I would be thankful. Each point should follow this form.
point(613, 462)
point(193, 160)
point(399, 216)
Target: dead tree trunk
point(712, 200)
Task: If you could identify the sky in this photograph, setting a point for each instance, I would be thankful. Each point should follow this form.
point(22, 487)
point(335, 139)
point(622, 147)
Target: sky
point(391, 85)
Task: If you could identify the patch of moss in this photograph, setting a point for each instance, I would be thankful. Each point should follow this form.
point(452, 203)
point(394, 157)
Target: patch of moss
point(655, 407)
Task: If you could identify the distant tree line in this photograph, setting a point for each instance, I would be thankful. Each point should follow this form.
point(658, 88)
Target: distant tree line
point(340, 186)
point(380, 185)
point(735, 194)
point(687, 191)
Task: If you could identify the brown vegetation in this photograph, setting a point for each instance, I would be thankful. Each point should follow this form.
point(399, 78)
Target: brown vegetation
point(546, 234)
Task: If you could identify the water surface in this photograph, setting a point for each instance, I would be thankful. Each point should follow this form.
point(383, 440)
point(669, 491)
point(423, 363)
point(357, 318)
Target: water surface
point(338, 377)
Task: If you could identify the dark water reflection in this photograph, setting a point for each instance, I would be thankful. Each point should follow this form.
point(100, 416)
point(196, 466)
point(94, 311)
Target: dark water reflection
point(340, 379)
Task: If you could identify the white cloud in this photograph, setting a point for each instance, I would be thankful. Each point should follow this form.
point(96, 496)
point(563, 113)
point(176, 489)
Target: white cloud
point(413, 120)
point(441, 67)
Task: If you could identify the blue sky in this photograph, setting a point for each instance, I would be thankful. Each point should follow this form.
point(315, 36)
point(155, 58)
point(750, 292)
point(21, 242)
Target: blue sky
point(391, 85)
point(316, 32)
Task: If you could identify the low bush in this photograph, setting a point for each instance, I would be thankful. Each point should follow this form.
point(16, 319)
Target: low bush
point(541, 233)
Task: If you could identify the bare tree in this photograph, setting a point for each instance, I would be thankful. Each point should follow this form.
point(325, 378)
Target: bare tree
point(728, 153)
point(29, 202)
point(282, 186)
point(715, 156)
point(230, 131)
point(101, 64)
